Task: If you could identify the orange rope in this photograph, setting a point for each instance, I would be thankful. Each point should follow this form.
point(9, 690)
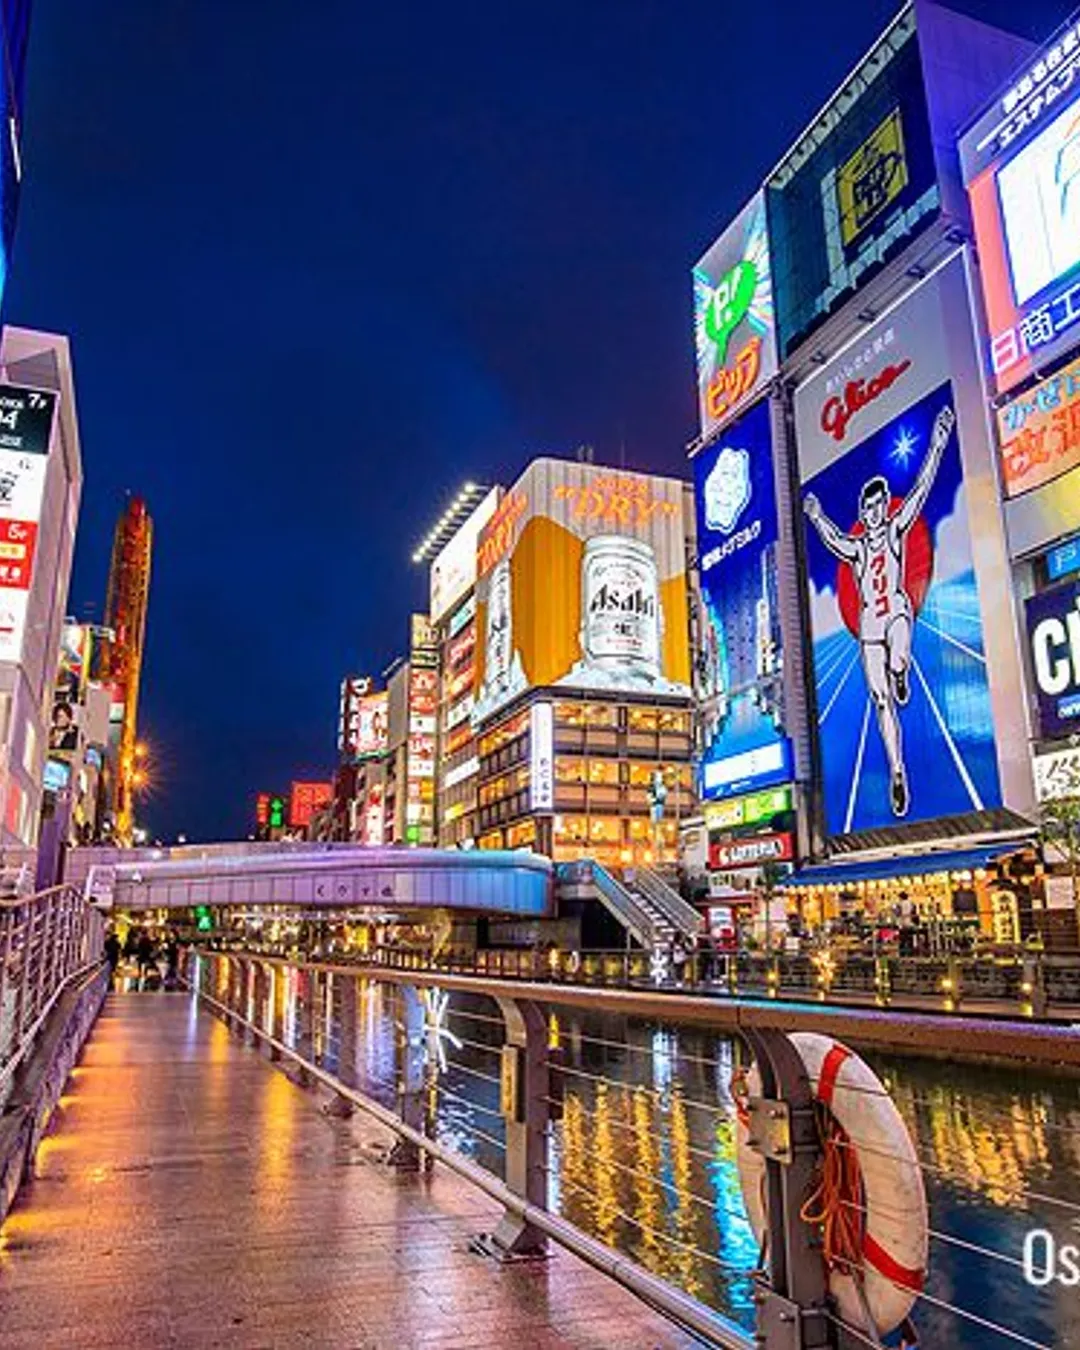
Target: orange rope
point(835, 1205)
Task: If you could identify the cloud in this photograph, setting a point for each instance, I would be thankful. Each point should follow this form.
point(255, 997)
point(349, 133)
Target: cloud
point(952, 541)
point(824, 612)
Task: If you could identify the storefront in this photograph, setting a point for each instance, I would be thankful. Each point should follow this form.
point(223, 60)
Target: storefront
point(951, 898)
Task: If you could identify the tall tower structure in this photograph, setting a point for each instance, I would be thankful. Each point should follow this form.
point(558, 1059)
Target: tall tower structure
point(122, 654)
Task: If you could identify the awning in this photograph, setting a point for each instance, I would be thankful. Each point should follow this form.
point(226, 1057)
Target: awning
point(916, 865)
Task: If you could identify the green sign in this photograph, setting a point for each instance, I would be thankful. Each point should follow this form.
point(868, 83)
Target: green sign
point(730, 304)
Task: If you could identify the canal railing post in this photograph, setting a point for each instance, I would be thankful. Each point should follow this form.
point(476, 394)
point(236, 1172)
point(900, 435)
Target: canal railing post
point(340, 1105)
point(412, 1056)
point(305, 1024)
point(791, 1302)
point(523, 1095)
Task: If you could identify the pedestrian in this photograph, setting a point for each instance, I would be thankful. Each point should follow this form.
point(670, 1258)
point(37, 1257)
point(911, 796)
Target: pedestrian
point(172, 961)
point(145, 952)
point(112, 954)
point(679, 956)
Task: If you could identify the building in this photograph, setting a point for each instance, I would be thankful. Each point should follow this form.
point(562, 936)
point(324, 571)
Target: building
point(581, 699)
point(121, 658)
point(863, 712)
point(14, 35)
point(1021, 163)
point(40, 488)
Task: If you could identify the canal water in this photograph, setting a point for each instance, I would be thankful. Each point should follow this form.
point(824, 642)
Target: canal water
point(643, 1156)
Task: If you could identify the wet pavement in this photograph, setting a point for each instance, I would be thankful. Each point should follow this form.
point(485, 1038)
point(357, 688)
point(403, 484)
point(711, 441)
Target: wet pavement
point(189, 1194)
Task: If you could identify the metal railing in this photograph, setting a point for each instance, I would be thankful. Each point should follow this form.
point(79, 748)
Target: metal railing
point(46, 941)
point(682, 916)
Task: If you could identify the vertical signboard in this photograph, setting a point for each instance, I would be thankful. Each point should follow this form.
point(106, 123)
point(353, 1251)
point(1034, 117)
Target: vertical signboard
point(1021, 163)
point(1039, 432)
point(423, 695)
point(75, 640)
point(582, 584)
point(26, 420)
point(541, 757)
point(734, 333)
point(305, 799)
point(739, 675)
point(903, 705)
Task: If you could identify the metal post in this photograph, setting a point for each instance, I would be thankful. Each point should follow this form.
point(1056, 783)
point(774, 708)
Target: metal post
point(347, 1046)
point(305, 1040)
point(792, 1302)
point(413, 1058)
point(274, 980)
point(523, 1100)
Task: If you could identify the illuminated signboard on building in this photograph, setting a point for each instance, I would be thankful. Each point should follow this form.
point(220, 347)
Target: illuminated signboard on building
point(453, 571)
point(1053, 627)
point(903, 703)
point(861, 181)
point(582, 585)
point(541, 757)
point(752, 851)
point(1021, 163)
point(1039, 432)
point(26, 420)
point(353, 690)
point(734, 332)
point(739, 675)
point(752, 810)
point(305, 799)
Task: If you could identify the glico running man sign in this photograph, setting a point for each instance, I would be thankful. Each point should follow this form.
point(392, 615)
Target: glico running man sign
point(903, 704)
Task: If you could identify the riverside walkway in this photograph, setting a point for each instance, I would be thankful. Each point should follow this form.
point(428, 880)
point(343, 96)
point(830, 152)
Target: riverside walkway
point(190, 1194)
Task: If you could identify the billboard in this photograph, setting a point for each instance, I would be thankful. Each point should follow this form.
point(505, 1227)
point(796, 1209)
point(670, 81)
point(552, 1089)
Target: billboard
point(739, 672)
point(453, 572)
point(1053, 632)
point(1021, 162)
point(860, 183)
point(363, 726)
point(1039, 432)
point(734, 334)
point(582, 584)
point(26, 419)
point(305, 799)
point(903, 703)
point(73, 672)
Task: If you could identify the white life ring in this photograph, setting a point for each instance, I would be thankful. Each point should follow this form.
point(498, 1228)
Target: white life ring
point(893, 1226)
point(573, 962)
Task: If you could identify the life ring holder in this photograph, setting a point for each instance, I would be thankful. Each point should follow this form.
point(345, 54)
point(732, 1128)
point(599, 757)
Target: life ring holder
point(870, 1201)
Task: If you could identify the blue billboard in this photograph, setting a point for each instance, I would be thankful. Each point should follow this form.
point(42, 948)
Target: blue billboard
point(903, 703)
point(1053, 629)
point(739, 674)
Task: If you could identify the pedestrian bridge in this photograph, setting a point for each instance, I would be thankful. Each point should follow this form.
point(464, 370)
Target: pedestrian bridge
point(316, 875)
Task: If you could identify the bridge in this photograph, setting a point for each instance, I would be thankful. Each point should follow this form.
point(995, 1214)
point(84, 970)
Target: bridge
point(314, 876)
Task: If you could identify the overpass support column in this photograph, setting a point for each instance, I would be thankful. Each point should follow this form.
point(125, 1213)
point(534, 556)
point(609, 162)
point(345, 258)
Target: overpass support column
point(523, 1101)
point(413, 1082)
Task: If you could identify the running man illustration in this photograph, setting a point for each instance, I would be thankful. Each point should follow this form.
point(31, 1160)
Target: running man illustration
point(876, 557)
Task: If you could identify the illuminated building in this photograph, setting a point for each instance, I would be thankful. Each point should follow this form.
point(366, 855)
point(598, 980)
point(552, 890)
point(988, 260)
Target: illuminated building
point(581, 698)
point(40, 487)
point(1021, 164)
point(122, 655)
point(14, 34)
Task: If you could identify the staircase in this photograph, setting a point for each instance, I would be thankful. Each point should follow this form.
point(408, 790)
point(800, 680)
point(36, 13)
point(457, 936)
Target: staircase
point(650, 910)
point(671, 917)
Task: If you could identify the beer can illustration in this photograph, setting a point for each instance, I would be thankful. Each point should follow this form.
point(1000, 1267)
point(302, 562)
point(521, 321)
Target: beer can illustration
point(621, 621)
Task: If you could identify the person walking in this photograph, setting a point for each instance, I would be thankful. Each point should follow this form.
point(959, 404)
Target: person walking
point(145, 952)
point(112, 955)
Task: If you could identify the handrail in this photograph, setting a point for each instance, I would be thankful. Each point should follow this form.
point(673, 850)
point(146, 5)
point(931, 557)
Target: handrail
point(620, 900)
point(27, 1042)
point(680, 1307)
point(679, 913)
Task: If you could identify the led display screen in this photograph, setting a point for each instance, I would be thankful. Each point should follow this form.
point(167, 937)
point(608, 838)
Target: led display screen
point(739, 674)
point(734, 334)
point(1053, 628)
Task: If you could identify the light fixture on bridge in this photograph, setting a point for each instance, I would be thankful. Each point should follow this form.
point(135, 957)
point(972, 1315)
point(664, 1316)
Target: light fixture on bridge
point(455, 515)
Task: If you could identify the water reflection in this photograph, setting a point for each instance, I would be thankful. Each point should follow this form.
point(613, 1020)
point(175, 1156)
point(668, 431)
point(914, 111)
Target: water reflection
point(642, 1154)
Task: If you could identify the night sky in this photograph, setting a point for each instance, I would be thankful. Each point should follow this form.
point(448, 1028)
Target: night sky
point(321, 263)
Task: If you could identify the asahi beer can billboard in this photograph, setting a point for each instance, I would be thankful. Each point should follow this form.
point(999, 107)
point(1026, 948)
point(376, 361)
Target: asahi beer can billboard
point(582, 584)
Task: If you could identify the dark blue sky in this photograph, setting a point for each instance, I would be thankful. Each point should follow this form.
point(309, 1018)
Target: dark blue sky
point(322, 262)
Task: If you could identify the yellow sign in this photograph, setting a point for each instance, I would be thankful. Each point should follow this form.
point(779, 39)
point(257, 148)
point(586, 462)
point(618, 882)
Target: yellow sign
point(874, 176)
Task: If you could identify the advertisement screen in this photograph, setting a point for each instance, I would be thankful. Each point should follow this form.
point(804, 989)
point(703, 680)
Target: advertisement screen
point(857, 186)
point(734, 333)
point(739, 676)
point(582, 585)
point(1039, 432)
point(371, 726)
point(26, 418)
point(70, 681)
point(1053, 628)
point(453, 572)
point(1022, 167)
point(903, 703)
